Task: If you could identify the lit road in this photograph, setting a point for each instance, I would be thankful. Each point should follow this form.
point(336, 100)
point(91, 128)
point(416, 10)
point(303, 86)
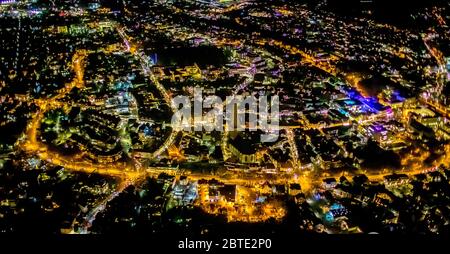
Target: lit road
point(293, 145)
point(123, 171)
point(439, 57)
point(99, 207)
point(167, 98)
point(73, 163)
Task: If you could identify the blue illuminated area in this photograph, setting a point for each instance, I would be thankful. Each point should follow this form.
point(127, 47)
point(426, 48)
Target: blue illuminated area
point(350, 102)
point(448, 64)
point(260, 199)
point(93, 6)
point(336, 206)
point(148, 131)
point(318, 196)
point(372, 104)
point(396, 97)
point(377, 128)
point(344, 112)
point(336, 210)
point(329, 217)
point(36, 12)
point(123, 86)
point(7, 1)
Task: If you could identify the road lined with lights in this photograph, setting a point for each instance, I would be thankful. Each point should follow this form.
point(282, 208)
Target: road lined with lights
point(167, 97)
point(439, 57)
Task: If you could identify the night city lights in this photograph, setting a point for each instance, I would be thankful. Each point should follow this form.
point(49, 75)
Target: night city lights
point(197, 120)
